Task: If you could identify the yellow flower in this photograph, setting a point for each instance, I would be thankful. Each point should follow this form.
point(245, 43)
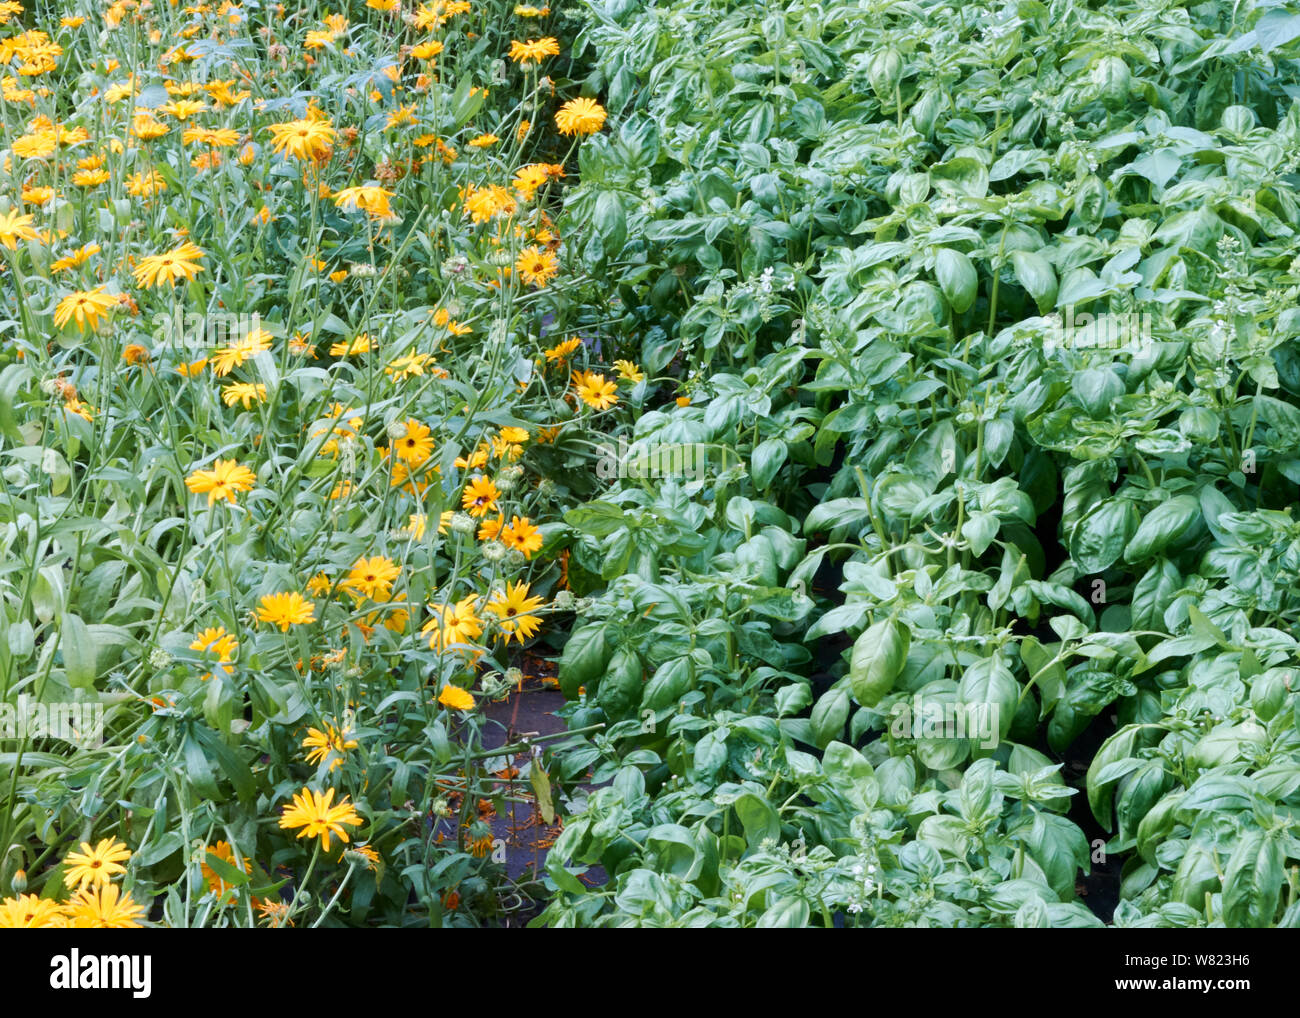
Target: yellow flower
point(372, 577)
point(95, 866)
point(537, 266)
point(453, 624)
point(515, 611)
point(223, 137)
point(319, 585)
point(141, 185)
point(401, 116)
point(217, 641)
point(76, 259)
point(191, 369)
point(455, 698)
point(30, 912)
point(373, 200)
point(360, 344)
point(483, 203)
point(104, 907)
point(15, 227)
point(427, 50)
point(90, 178)
point(227, 358)
point(309, 140)
point(522, 536)
point(629, 371)
point(509, 444)
point(580, 116)
point(85, 307)
point(595, 390)
point(483, 141)
point(134, 353)
point(147, 128)
point(314, 813)
point(226, 479)
point(534, 50)
point(416, 445)
point(285, 610)
point(246, 393)
point(480, 497)
point(225, 853)
point(183, 109)
point(562, 350)
point(180, 263)
point(407, 366)
point(333, 742)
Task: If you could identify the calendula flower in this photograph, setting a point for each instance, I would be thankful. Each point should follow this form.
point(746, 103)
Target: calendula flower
point(597, 391)
point(537, 266)
point(483, 203)
point(455, 698)
point(533, 51)
point(135, 353)
point(427, 50)
point(275, 914)
point(141, 185)
point(223, 137)
point(148, 128)
point(453, 624)
point(359, 344)
point(416, 444)
point(227, 358)
point(629, 371)
point(226, 854)
point(215, 640)
point(515, 610)
point(244, 393)
point(407, 366)
point(562, 350)
point(372, 577)
point(332, 744)
point(479, 497)
point(104, 907)
point(37, 196)
point(580, 116)
point(285, 610)
point(95, 866)
point(522, 536)
point(30, 912)
point(15, 227)
point(509, 443)
point(192, 369)
point(90, 178)
point(317, 816)
point(369, 198)
point(400, 117)
point(85, 307)
point(483, 141)
point(307, 140)
point(76, 259)
point(180, 263)
point(183, 109)
point(225, 480)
